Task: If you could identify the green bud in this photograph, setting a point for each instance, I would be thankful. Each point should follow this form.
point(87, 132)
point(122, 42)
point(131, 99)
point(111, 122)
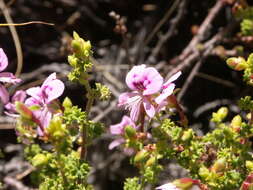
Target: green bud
point(236, 122)
point(23, 110)
point(249, 165)
point(187, 135)
point(237, 63)
point(82, 48)
point(184, 183)
point(56, 129)
point(40, 160)
point(73, 61)
point(67, 103)
point(141, 156)
point(204, 172)
point(220, 115)
point(102, 92)
point(219, 165)
point(151, 161)
point(130, 132)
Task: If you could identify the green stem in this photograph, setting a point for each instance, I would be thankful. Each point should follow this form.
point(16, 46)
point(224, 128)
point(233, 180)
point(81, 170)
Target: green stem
point(89, 104)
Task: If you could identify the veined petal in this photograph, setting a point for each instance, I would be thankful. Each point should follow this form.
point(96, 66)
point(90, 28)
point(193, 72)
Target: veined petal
point(53, 90)
point(134, 75)
point(153, 81)
point(4, 95)
point(149, 108)
point(9, 78)
point(35, 92)
point(173, 78)
point(116, 143)
point(165, 93)
point(19, 95)
point(3, 60)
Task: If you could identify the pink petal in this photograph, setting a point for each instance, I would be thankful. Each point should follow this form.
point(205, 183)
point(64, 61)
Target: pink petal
point(155, 81)
point(9, 78)
point(53, 90)
point(135, 111)
point(173, 78)
point(149, 108)
point(35, 92)
point(19, 95)
point(135, 72)
point(4, 95)
point(118, 129)
point(116, 143)
point(165, 93)
point(32, 101)
point(3, 60)
point(50, 78)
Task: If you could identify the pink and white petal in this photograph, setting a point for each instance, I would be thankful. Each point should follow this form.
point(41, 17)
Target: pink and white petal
point(19, 95)
point(149, 108)
point(53, 90)
point(9, 78)
point(3, 60)
point(35, 92)
point(4, 95)
point(155, 81)
point(135, 111)
point(50, 78)
point(135, 74)
point(32, 101)
point(165, 93)
point(167, 186)
point(116, 143)
point(117, 129)
point(173, 78)
point(124, 97)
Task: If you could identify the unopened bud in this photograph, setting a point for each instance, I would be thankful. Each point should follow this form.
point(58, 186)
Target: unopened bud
point(187, 135)
point(249, 165)
point(151, 161)
point(185, 183)
point(204, 172)
point(40, 160)
point(72, 60)
point(220, 115)
point(236, 123)
point(237, 63)
point(23, 110)
point(219, 165)
point(67, 103)
point(141, 156)
point(130, 132)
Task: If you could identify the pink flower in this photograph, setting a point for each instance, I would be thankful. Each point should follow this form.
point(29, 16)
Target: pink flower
point(44, 96)
point(19, 96)
point(119, 129)
point(5, 77)
point(144, 81)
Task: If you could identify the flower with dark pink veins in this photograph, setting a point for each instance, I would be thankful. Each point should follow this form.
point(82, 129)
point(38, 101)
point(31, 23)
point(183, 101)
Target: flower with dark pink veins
point(5, 77)
point(43, 96)
point(119, 129)
point(145, 82)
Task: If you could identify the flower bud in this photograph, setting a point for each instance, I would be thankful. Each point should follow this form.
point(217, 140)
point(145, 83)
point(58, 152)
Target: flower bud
point(72, 60)
point(237, 63)
point(130, 132)
point(187, 135)
point(23, 110)
point(220, 115)
point(151, 161)
point(249, 165)
point(67, 103)
point(40, 160)
point(236, 123)
point(219, 165)
point(141, 156)
point(185, 183)
point(55, 128)
point(204, 172)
